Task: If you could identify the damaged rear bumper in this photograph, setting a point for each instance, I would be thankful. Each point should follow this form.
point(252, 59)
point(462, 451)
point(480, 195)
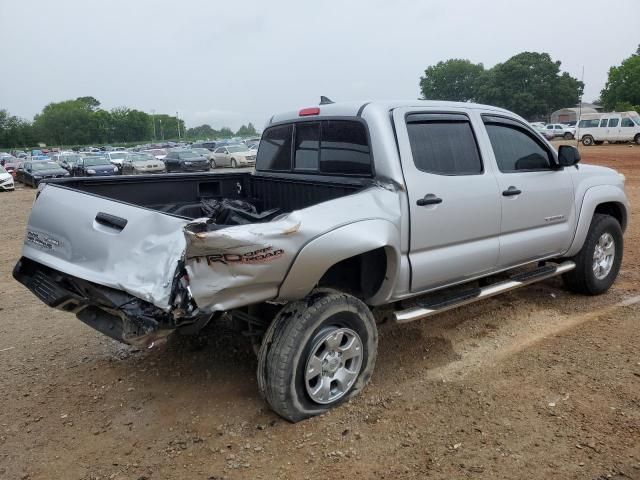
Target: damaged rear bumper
point(112, 312)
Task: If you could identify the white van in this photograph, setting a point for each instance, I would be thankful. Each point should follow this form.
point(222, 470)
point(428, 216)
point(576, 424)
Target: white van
point(610, 127)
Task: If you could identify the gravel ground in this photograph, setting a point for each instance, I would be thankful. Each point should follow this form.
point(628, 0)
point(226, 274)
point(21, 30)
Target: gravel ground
point(537, 383)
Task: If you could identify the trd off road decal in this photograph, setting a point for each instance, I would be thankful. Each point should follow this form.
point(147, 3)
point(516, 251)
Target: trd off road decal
point(261, 255)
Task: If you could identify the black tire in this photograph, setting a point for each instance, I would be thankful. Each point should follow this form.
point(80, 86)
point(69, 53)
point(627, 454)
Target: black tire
point(637, 139)
point(587, 140)
point(568, 136)
point(583, 278)
point(234, 164)
point(212, 163)
point(289, 343)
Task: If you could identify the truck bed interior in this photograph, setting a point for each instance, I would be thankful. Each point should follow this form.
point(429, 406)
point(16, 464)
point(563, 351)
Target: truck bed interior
point(183, 195)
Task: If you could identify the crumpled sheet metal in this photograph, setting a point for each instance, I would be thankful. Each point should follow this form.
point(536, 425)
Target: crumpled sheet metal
point(245, 264)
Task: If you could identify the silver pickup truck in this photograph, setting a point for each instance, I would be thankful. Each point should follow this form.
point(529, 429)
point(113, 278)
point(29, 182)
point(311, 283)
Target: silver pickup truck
point(356, 214)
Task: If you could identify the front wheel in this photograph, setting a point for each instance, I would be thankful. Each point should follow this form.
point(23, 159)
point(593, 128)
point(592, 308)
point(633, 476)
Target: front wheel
point(234, 164)
point(587, 140)
point(637, 139)
point(598, 261)
point(212, 163)
point(568, 136)
point(316, 354)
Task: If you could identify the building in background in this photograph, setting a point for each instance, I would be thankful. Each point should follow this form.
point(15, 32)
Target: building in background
point(570, 116)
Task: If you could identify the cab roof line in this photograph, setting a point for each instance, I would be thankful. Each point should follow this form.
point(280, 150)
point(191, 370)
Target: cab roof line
point(361, 109)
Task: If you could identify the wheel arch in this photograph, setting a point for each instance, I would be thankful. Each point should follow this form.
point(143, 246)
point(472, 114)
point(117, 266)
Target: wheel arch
point(604, 199)
point(366, 263)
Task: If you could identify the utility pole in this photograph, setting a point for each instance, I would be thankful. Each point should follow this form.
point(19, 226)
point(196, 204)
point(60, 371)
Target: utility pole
point(178, 121)
point(153, 117)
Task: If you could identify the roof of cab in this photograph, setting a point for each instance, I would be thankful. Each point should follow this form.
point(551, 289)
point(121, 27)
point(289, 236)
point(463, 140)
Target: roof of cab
point(355, 108)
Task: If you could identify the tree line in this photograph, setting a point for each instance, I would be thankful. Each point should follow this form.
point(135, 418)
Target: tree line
point(83, 122)
point(529, 83)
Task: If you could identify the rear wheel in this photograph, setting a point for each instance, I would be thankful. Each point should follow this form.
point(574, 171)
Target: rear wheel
point(598, 261)
point(316, 354)
point(587, 140)
point(637, 139)
point(568, 136)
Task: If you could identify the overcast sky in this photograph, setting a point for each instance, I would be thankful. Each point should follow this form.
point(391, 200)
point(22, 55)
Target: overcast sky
point(226, 63)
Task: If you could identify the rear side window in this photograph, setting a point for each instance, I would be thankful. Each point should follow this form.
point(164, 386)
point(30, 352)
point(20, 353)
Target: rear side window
point(515, 150)
point(613, 122)
point(603, 122)
point(275, 149)
point(590, 123)
point(444, 147)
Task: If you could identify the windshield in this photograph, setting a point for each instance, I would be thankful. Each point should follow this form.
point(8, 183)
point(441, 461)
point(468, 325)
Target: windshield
point(189, 156)
point(92, 161)
point(44, 166)
point(237, 148)
point(118, 156)
point(157, 152)
point(201, 151)
point(2, 170)
point(70, 158)
point(141, 157)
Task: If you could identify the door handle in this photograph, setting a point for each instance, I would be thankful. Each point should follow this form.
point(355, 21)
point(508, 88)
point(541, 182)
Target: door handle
point(511, 191)
point(111, 221)
point(429, 199)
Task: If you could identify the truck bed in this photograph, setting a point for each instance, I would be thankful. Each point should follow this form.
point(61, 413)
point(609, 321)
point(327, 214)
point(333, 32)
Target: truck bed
point(182, 195)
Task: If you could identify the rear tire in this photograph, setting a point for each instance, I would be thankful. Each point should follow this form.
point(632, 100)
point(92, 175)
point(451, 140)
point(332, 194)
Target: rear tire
point(316, 354)
point(568, 136)
point(637, 139)
point(587, 140)
point(595, 272)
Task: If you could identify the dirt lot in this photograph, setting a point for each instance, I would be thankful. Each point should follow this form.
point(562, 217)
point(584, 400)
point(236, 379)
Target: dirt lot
point(534, 384)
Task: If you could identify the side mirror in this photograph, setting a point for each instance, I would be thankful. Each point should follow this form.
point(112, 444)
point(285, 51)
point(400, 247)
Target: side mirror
point(568, 155)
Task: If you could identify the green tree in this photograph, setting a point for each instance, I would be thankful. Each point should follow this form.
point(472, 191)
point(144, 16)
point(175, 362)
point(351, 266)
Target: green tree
point(247, 131)
point(15, 131)
point(529, 84)
point(455, 79)
point(203, 132)
point(167, 127)
point(226, 132)
point(623, 84)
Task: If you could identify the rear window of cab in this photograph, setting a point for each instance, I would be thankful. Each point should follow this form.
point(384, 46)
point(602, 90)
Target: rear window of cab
point(331, 147)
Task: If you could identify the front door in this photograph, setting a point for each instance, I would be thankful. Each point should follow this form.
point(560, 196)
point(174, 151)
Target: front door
point(453, 197)
point(537, 200)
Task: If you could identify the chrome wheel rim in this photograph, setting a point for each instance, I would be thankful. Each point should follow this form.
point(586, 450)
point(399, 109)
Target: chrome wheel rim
point(333, 365)
point(603, 256)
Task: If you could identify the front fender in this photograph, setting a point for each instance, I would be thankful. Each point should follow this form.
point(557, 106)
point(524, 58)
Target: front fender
point(321, 253)
point(593, 197)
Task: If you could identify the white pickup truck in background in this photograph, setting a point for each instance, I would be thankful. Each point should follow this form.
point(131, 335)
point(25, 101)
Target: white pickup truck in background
point(356, 214)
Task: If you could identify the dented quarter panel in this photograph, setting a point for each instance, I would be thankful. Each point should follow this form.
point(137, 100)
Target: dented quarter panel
point(240, 265)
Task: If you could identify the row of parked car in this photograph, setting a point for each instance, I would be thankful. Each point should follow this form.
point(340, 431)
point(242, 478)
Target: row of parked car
point(200, 157)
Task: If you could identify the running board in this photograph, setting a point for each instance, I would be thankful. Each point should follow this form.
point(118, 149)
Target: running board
point(426, 309)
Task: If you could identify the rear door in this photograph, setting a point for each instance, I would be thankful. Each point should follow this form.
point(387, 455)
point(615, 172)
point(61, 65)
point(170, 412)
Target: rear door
point(536, 197)
point(614, 133)
point(453, 197)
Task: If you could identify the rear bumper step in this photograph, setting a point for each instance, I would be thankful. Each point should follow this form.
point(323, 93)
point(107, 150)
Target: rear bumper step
point(426, 309)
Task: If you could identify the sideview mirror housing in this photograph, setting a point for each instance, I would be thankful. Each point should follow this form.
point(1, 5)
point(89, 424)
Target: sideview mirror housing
point(568, 155)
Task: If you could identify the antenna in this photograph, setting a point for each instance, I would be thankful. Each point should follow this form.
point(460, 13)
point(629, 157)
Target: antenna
point(325, 100)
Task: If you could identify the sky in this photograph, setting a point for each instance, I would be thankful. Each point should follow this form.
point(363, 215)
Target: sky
point(228, 63)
